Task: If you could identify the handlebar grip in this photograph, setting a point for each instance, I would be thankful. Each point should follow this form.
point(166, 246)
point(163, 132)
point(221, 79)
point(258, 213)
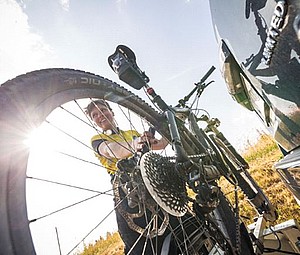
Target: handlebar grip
point(207, 74)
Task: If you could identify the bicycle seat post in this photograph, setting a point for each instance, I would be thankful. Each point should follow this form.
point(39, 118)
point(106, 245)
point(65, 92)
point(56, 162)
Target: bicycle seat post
point(170, 115)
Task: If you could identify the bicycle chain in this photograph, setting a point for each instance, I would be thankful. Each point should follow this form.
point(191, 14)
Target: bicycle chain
point(215, 232)
point(237, 222)
point(200, 156)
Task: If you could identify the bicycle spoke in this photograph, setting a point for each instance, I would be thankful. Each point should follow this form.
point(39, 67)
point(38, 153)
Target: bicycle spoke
point(71, 186)
point(64, 208)
point(93, 229)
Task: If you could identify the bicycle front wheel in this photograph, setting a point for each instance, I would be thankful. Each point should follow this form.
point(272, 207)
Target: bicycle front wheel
point(31, 101)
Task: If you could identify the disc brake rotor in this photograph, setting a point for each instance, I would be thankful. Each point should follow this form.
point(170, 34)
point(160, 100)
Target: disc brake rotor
point(164, 183)
point(143, 207)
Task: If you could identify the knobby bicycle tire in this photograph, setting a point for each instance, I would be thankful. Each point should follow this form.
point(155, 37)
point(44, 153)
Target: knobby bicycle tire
point(25, 103)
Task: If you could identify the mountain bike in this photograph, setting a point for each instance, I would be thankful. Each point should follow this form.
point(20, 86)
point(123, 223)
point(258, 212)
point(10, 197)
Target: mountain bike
point(176, 192)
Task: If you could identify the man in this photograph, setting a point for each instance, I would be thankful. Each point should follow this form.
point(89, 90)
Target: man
point(112, 145)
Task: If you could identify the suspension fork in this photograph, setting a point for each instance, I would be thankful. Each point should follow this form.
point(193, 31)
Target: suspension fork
point(245, 181)
point(212, 125)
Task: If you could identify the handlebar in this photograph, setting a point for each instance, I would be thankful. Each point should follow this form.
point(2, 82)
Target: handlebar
point(200, 86)
point(209, 72)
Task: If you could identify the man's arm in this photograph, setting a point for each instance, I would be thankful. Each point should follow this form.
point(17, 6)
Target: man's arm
point(118, 150)
point(121, 150)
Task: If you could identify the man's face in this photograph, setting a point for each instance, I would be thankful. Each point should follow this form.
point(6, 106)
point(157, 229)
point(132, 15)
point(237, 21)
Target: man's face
point(103, 117)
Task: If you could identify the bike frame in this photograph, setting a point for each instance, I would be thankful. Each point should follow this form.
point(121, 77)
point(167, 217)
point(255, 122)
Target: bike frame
point(210, 142)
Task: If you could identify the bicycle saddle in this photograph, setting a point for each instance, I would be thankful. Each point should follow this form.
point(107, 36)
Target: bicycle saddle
point(123, 63)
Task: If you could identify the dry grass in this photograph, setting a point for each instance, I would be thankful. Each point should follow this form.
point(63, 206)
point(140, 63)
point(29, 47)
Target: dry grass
point(111, 245)
point(261, 158)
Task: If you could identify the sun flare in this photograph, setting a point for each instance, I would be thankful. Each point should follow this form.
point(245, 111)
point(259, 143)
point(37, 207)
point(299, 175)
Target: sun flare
point(40, 139)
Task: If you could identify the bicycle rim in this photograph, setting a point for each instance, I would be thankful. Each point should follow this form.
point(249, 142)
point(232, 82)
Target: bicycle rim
point(26, 103)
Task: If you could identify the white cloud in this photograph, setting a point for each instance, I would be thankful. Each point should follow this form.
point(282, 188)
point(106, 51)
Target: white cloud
point(65, 4)
point(20, 49)
point(120, 5)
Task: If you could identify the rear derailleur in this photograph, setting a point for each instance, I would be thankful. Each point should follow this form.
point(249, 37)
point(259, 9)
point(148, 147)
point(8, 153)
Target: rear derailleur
point(207, 194)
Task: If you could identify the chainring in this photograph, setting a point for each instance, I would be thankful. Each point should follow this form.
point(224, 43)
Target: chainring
point(164, 183)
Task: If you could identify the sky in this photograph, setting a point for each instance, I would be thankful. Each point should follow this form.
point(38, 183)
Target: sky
point(173, 40)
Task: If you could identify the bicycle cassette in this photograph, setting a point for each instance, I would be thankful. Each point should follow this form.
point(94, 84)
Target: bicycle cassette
point(164, 183)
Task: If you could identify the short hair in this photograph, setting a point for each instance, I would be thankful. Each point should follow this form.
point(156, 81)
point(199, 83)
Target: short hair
point(93, 104)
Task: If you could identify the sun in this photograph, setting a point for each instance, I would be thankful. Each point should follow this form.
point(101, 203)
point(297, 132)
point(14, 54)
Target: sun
point(41, 139)
point(32, 140)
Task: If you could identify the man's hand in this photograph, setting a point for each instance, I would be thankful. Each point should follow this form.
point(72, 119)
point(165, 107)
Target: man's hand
point(148, 138)
point(153, 143)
